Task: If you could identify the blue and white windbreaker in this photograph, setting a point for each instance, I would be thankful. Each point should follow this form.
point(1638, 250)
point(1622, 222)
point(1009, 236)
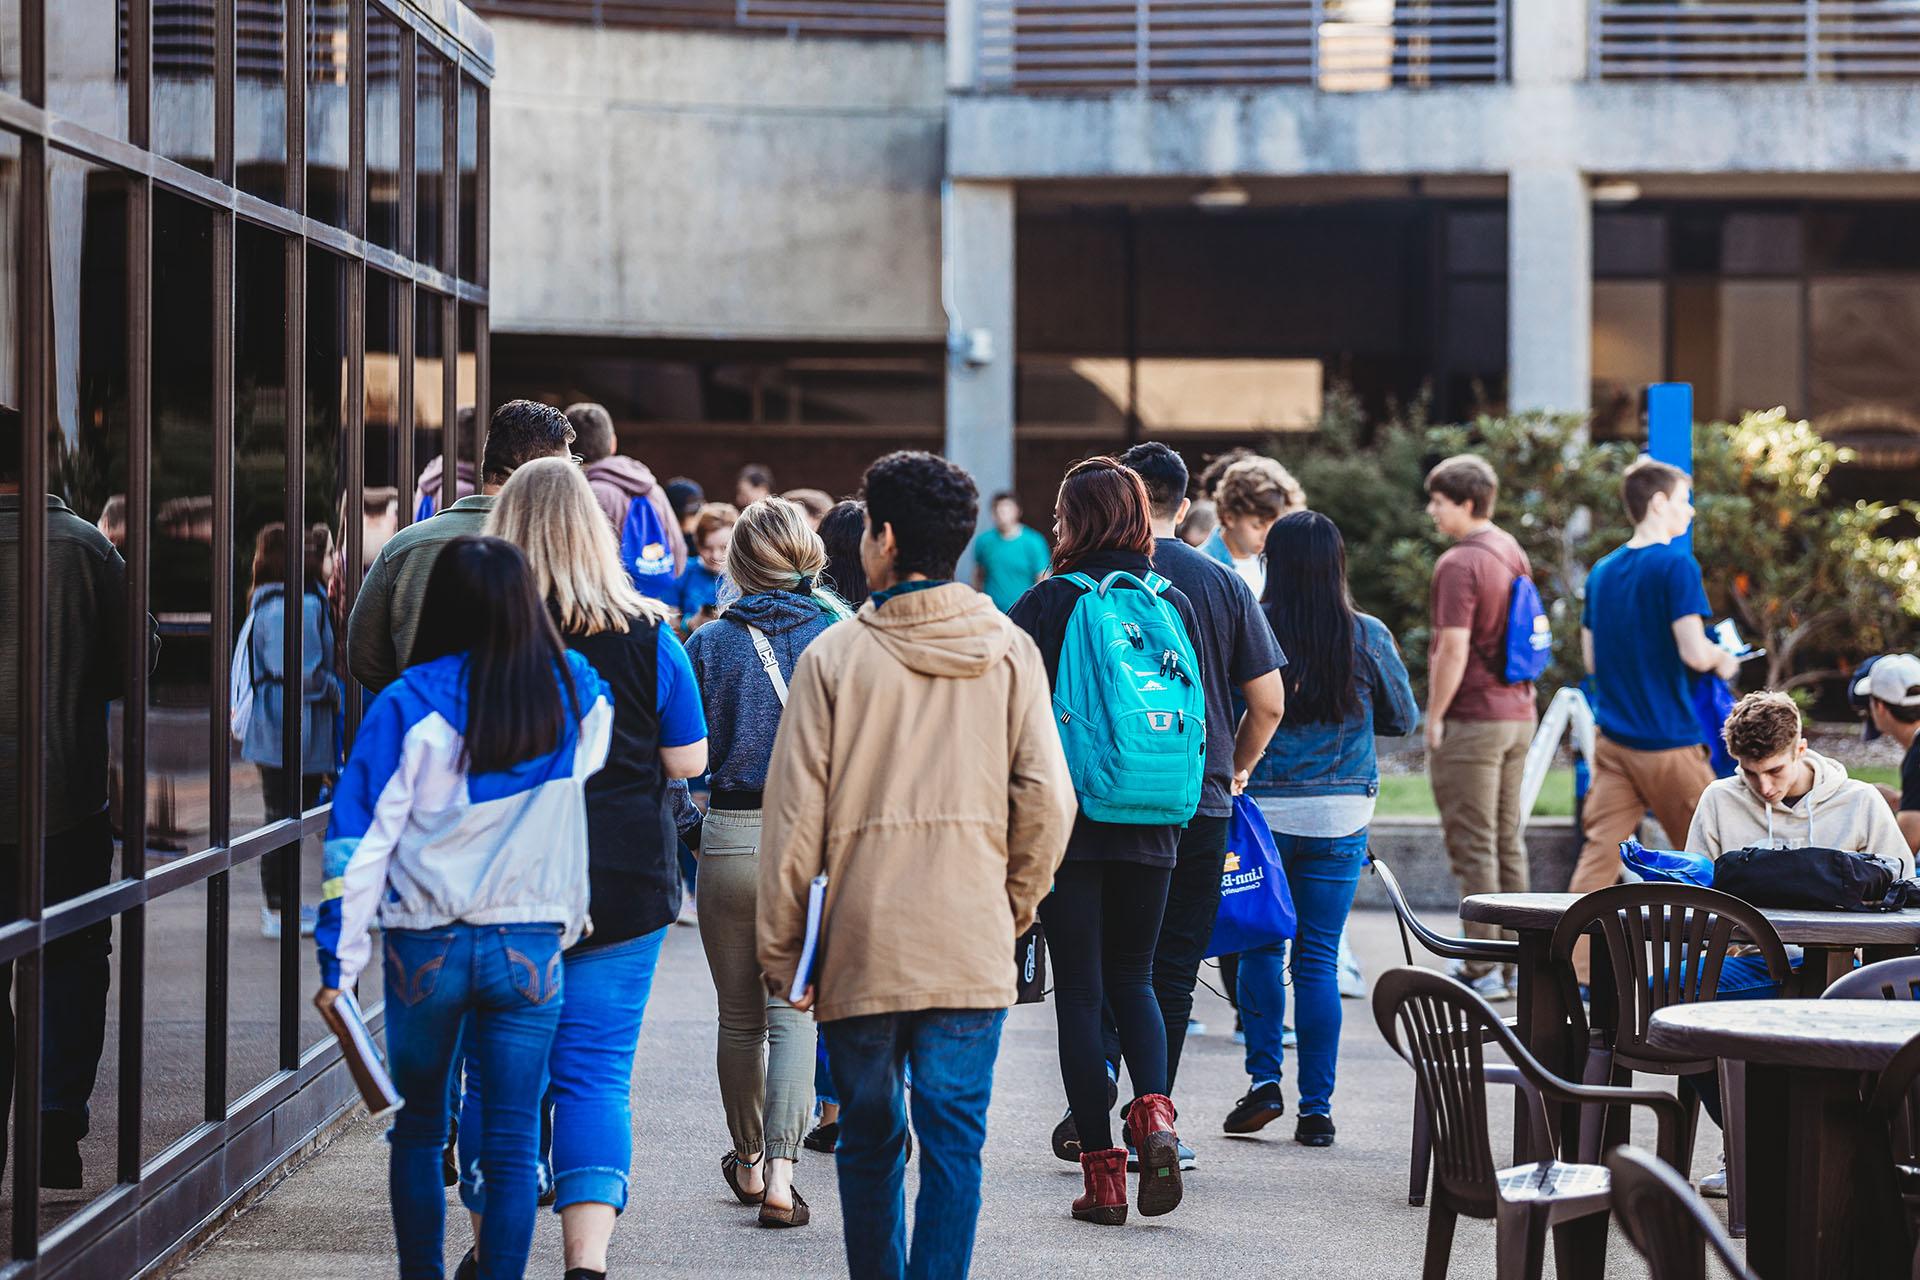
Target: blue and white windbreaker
point(421, 843)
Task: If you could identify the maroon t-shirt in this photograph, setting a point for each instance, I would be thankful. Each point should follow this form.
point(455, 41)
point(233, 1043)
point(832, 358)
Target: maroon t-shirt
point(1472, 586)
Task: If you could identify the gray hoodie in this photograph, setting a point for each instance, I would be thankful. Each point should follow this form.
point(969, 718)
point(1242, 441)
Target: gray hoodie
point(743, 711)
point(1838, 813)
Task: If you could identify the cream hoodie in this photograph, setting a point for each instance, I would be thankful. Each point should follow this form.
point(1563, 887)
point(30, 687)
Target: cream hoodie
point(1839, 813)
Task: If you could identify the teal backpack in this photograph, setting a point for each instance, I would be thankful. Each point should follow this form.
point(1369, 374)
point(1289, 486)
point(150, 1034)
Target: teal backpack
point(1127, 695)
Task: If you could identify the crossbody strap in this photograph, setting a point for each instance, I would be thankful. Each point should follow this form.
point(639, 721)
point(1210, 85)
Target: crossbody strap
point(764, 647)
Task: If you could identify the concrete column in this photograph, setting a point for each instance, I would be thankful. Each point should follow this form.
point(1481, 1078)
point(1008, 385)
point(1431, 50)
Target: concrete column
point(963, 25)
point(976, 266)
point(1549, 290)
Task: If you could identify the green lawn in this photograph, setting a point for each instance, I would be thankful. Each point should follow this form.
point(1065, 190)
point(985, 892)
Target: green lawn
point(1409, 796)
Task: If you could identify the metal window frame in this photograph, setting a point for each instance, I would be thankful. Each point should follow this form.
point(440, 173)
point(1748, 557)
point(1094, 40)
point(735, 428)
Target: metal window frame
point(158, 1202)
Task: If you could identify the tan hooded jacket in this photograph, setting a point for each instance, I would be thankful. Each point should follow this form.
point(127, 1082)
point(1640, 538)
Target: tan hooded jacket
point(1839, 813)
point(917, 764)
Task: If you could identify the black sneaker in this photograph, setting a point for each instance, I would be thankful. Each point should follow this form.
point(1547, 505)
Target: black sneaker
point(1257, 1110)
point(450, 1156)
point(469, 1268)
point(1313, 1131)
point(60, 1164)
point(1066, 1139)
point(824, 1138)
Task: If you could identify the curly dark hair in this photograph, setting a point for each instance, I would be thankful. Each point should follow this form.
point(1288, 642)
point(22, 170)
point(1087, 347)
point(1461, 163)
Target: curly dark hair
point(932, 505)
point(522, 430)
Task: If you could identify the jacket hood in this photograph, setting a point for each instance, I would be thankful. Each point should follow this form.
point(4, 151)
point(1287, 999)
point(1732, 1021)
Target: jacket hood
point(429, 485)
point(773, 611)
point(442, 685)
point(950, 630)
point(630, 476)
point(1829, 776)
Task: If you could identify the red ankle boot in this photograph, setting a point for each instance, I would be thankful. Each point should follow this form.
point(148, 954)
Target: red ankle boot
point(1150, 1126)
point(1105, 1201)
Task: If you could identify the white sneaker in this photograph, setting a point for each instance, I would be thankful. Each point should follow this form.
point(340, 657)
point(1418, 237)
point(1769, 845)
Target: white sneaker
point(1353, 983)
point(1491, 986)
point(1714, 1185)
point(689, 914)
point(1289, 1038)
point(269, 923)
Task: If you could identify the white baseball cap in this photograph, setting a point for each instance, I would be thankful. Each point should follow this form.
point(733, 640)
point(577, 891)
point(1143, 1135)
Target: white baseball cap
point(1893, 678)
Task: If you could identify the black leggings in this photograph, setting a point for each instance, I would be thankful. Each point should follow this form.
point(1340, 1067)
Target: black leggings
point(1102, 921)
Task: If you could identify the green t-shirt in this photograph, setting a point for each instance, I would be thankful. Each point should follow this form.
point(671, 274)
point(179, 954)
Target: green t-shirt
point(1011, 565)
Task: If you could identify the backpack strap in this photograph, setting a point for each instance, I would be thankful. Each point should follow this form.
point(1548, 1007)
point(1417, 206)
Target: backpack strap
point(1146, 585)
point(1081, 581)
point(1156, 584)
point(764, 647)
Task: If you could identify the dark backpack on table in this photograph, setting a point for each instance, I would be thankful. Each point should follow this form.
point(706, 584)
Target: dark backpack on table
point(1812, 879)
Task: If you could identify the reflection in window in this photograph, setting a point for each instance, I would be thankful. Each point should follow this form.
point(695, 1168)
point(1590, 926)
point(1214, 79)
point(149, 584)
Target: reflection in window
point(260, 98)
point(1629, 351)
point(382, 414)
point(469, 179)
point(1738, 343)
point(12, 439)
point(429, 157)
point(86, 64)
point(1864, 348)
point(174, 1083)
point(327, 111)
point(183, 82)
point(180, 579)
point(384, 107)
point(10, 46)
point(429, 397)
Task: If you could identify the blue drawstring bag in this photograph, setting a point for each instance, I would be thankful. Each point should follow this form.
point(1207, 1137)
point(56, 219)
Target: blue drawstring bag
point(1712, 704)
point(1256, 907)
point(1670, 866)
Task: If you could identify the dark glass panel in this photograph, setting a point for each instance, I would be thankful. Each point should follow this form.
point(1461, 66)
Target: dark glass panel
point(470, 194)
point(381, 473)
point(173, 1095)
point(1629, 351)
point(12, 439)
point(385, 43)
point(327, 111)
point(1761, 244)
point(429, 156)
point(183, 82)
point(1477, 242)
point(1864, 348)
point(1695, 239)
point(260, 98)
point(429, 395)
point(87, 64)
point(1871, 237)
point(1629, 244)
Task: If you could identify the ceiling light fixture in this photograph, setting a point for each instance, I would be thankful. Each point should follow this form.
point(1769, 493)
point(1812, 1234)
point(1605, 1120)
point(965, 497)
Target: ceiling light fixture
point(1616, 191)
point(1222, 193)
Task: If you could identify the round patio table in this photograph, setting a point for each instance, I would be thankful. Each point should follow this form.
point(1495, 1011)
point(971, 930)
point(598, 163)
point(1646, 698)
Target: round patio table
point(1821, 1195)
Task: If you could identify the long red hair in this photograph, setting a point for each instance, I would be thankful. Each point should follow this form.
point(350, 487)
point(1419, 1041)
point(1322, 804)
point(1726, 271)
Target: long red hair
point(1102, 506)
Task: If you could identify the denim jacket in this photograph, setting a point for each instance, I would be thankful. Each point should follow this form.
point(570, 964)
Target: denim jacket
point(1337, 759)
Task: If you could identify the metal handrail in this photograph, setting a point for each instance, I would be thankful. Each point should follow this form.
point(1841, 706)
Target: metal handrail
point(916, 19)
point(1808, 40)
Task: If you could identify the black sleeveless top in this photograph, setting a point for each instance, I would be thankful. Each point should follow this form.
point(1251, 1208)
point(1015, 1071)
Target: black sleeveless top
point(632, 846)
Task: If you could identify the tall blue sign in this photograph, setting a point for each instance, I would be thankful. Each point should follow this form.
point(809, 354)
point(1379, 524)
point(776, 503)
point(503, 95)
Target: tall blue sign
point(1670, 429)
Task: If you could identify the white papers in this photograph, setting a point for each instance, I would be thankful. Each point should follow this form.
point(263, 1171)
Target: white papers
point(816, 908)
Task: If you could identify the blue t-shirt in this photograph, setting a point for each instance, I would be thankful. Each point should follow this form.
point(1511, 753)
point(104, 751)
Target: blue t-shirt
point(1008, 566)
point(1643, 692)
point(696, 589)
point(677, 694)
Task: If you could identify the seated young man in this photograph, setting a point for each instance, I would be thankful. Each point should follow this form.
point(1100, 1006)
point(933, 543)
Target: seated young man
point(1785, 796)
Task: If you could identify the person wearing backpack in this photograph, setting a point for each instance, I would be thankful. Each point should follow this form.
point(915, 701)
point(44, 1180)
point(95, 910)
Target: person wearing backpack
point(1131, 712)
point(744, 662)
point(644, 524)
point(1488, 629)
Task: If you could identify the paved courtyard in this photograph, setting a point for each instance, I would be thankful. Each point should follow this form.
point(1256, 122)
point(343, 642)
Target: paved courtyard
point(1258, 1202)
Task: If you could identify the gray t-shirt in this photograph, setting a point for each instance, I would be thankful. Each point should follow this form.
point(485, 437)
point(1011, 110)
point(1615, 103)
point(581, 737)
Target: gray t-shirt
point(1235, 645)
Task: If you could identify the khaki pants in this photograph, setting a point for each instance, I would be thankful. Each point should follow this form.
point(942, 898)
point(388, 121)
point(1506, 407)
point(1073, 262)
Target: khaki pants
point(1476, 786)
point(1627, 783)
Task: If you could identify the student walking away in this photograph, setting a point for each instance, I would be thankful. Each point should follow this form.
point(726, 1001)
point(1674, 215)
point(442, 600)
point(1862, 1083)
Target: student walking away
point(1488, 629)
point(1132, 720)
point(83, 666)
point(754, 482)
point(548, 511)
point(697, 593)
point(426, 494)
point(1643, 636)
point(645, 526)
point(1237, 652)
point(387, 611)
point(1008, 558)
point(686, 498)
point(840, 532)
point(745, 664)
point(935, 861)
point(460, 827)
point(1252, 494)
point(262, 667)
point(1316, 785)
point(1886, 691)
point(1785, 796)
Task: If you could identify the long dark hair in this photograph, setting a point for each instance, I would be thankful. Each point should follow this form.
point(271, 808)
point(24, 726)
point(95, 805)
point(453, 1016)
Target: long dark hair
point(1312, 616)
point(840, 530)
point(1102, 506)
point(481, 603)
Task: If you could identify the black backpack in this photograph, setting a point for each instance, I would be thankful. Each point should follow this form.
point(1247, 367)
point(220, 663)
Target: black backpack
point(1811, 879)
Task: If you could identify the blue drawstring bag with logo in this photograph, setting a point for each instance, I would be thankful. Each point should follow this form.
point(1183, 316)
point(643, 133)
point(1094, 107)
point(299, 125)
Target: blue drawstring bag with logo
point(1667, 866)
point(1256, 907)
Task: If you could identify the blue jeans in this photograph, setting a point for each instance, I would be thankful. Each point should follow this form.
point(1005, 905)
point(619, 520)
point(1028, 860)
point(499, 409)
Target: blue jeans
point(508, 977)
point(822, 1076)
point(591, 1068)
point(953, 1054)
point(1741, 978)
point(1322, 874)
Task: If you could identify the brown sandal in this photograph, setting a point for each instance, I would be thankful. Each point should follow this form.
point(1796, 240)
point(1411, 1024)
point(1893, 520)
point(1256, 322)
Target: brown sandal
point(798, 1216)
point(730, 1165)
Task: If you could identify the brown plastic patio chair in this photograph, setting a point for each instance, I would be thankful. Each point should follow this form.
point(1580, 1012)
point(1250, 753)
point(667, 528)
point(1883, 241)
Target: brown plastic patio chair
point(1665, 1221)
point(1665, 945)
point(1443, 1029)
point(1492, 951)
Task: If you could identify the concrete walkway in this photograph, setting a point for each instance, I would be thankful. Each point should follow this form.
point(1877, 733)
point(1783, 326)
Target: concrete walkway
point(1258, 1205)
